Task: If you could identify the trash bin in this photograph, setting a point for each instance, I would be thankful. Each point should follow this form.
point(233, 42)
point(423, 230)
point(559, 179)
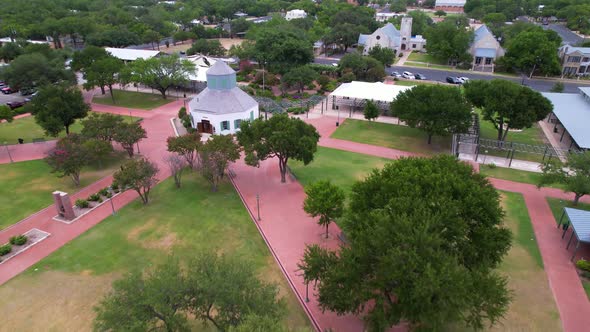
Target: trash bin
point(337, 123)
point(21, 141)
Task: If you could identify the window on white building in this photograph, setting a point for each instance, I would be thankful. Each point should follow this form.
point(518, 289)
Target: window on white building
point(237, 123)
point(224, 125)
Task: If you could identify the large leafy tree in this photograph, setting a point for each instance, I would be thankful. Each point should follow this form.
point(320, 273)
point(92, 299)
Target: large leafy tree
point(507, 105)
point(101, 126)
point(68, 157)
point(532, 51)
point(187, 146)
point(345, 35)
point(282, 137)
point(384, 55)
point(364, 68)
point(283, 48)
point(139, 175)
point(324, 200)
point(57, 107)
point(424, 239)
point(216, 155)
point(35, 70)
point(449, 42)
point(86, 57)
point(299, 77)
point(162, 73)
point(574, 174)
point(129, 134)
point(436, 109)
point(103, 72)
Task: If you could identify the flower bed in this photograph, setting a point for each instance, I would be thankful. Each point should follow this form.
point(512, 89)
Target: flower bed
point(84, 206)
point(17, 245)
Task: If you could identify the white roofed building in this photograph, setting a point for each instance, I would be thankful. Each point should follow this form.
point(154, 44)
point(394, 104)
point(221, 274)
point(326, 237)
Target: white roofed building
point(129, 54)
point(295, 13)
point(354, 95)
point(222, 106)
point(454, 6)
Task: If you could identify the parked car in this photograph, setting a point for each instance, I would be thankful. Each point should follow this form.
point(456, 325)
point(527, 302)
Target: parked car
point(453, 80)
point(2, 84)
point(8, 90)
point(396, 74)
point(420, 77)
point(408, 75)
point(29, 98)
point(463, 79)
point(26, 92)
point(15, 104)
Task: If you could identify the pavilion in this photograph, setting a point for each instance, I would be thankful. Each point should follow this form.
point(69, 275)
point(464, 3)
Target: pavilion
point(354, 95)
point(571, 116)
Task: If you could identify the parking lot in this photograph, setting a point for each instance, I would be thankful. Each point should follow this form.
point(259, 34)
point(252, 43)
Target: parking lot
point(11, 97)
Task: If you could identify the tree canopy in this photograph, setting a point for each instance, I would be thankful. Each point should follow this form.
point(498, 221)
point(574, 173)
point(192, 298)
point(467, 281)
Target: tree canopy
point(162, 73)
point(424, 239)
point(507, 105)
point(280, 136)
point(574, 174)
point(324, 200)
point(449, 41)
point(436, 109)
point(364, 68)
point(139, 175)
point(533, 51)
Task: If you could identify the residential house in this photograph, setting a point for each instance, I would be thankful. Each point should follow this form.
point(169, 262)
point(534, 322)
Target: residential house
point(389, 37)
point(485, 50)
point(295, 14)
point(222, 106)
point(574, 60)
point(452, 6)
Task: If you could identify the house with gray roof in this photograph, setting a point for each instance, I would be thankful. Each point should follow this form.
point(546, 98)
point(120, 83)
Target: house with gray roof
point(574, 60)
point(222, 106)
point(390, 37)
point(485, 50)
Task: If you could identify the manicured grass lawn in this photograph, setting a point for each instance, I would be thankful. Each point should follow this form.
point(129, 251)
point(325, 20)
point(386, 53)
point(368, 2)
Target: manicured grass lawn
point(426, 58)
point(133, 99)
point(27, 186)
point(58, 293)
point(557, 206)
point(533, 136)
point(512, 174)
point(27, 129)
point(343, 168)
point(391, 136)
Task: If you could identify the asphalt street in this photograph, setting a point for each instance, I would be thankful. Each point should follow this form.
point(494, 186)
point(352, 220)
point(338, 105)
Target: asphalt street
point(441, 75)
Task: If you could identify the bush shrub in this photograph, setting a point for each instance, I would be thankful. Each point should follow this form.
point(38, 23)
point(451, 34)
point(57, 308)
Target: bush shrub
point(104, 191)
point(108, 195)
point(82, 203)
point(5, 249)
point(583, 265)
point(94, 197)
point(18, 240)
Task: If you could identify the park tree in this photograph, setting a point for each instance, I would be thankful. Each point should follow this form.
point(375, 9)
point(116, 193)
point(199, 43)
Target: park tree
point(176, 165)
point(364, 68)
point(371, 111)
point(6, 113)
point(532, 51)
point(384, 55)
point(57, 107)
point(162, 73)
point(10, 51)
point(101, 126)
point(574, 174)
point(257, 323)
point(440, 13)
point(139, 175)
point(144, 301)
point(187, 146)
point(417, 251)
point(216, 155)
point(35, 70)
point(449, 42)
point(103, 72)
point(86, 57)
point(507, 105)
point(282, 48)
point(324, 200)
point(206, 47)
point(282, 137)
point(129, 134)
point(68, 157)
point(299, 77)
point(344, 35)
point(435, 109)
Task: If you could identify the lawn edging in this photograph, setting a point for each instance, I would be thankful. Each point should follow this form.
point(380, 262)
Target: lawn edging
point(27, 245)
point(274, 255)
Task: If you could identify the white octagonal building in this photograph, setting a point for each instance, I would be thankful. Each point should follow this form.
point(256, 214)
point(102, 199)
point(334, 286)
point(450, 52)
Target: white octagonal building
point(222, 106)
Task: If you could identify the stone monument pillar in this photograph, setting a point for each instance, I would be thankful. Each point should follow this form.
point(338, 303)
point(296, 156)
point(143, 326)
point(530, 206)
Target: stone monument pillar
point(63, 205)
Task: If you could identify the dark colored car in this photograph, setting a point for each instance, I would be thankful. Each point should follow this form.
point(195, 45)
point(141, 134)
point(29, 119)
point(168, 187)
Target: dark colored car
point(453, 80)
point(26, 92)
point(7, 90)
point(15, 104)
point(420, 77)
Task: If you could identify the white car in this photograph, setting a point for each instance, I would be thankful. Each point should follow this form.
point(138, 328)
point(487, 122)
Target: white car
point(396, 74)
point(408, 75)
point(463, 79)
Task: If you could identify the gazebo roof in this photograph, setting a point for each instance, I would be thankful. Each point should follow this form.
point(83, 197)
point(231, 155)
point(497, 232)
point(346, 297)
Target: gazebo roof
point(220, 68)
point(222, 101)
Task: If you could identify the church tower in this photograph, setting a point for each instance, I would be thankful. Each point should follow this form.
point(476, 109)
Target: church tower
point(405, 32)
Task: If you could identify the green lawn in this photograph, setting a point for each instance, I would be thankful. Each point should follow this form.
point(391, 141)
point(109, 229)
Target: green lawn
point(58, 293)
point(426, 58)
point(133, 99)
point(413, 83)
point(533, 136)
point(391, 136)
point(557, 206)
point(27, 186)
point(512, 174)
point(27, 129)
point(343, 168)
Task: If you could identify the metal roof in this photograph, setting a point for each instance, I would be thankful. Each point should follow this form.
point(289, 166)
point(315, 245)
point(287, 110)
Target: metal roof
point(573, 111)
point(129, 54)
point(458, 3)
point(481, 32)
point(220, 68)
point(222, 101)
point(388, 30)
point(580, 221)
point(369, 91)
